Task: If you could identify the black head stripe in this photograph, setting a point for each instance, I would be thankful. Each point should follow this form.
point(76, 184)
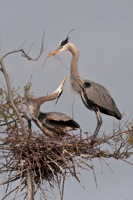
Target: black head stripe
point(64, 42)
point(67, 39)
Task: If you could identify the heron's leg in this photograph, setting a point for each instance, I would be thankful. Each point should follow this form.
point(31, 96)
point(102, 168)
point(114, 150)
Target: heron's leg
point(99, 123)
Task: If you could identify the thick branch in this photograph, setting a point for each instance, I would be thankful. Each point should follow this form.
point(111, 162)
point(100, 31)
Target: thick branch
point(10, 95)
point(30, 185)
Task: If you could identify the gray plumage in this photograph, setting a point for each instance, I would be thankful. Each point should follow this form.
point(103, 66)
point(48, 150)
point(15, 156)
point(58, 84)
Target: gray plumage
point(94, 96)
point(57, 122)
point(51, 123)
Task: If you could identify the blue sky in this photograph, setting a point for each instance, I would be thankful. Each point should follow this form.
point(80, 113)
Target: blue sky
point(104, 36)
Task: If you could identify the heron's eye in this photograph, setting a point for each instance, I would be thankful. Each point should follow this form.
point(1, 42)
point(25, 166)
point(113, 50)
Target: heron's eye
point(60, 47)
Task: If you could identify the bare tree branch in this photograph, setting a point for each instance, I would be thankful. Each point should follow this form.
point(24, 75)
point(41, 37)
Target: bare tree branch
point(30, 185)
point(24, 54)
point(10, 95)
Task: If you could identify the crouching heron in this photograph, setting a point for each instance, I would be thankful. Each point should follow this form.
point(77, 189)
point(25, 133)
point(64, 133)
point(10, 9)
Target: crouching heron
point(51, 123)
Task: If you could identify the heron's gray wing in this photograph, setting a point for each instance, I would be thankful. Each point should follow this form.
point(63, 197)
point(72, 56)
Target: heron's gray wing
point(60, 117)
point(57, 116)
point(99, 96)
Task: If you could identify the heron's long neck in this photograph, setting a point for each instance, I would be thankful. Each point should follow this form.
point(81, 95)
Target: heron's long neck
point(76, 80)
point(41, 100)
point(35, 104)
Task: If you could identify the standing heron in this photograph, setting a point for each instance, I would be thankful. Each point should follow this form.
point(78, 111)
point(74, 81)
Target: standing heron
point(51, 123)
point(94, 96)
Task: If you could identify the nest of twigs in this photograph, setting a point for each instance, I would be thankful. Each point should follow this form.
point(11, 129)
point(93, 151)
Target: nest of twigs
point(46, 156)
point(50, 160)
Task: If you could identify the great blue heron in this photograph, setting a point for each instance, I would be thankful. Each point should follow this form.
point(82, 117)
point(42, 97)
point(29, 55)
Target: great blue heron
point(51, 123)
point(94, 96)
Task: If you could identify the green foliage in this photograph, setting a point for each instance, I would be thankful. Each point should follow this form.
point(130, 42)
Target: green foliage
point(27, 94)
point(130, 139)
point(20, 98)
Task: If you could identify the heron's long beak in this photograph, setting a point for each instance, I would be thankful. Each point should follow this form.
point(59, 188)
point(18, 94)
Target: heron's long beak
point(60, 89)
point(62, 83)
point(52, 53)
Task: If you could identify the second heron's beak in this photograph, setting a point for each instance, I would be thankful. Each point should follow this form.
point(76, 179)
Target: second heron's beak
point(60, 89)
point(53, 53)
point(62, 83)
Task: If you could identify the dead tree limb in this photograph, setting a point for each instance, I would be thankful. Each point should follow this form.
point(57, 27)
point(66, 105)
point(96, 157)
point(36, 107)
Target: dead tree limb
point(30, 185)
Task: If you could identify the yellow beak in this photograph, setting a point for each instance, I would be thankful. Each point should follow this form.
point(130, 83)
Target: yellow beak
point(60, 89)
point(52, 53)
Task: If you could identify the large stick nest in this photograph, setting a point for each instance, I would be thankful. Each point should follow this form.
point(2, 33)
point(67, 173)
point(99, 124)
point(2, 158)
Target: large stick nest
point(51, 159)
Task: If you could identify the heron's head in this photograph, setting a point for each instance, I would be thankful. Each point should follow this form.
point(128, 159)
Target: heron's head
point(63, 46)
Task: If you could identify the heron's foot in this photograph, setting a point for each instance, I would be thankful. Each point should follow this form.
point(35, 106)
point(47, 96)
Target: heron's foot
point(93, 140)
